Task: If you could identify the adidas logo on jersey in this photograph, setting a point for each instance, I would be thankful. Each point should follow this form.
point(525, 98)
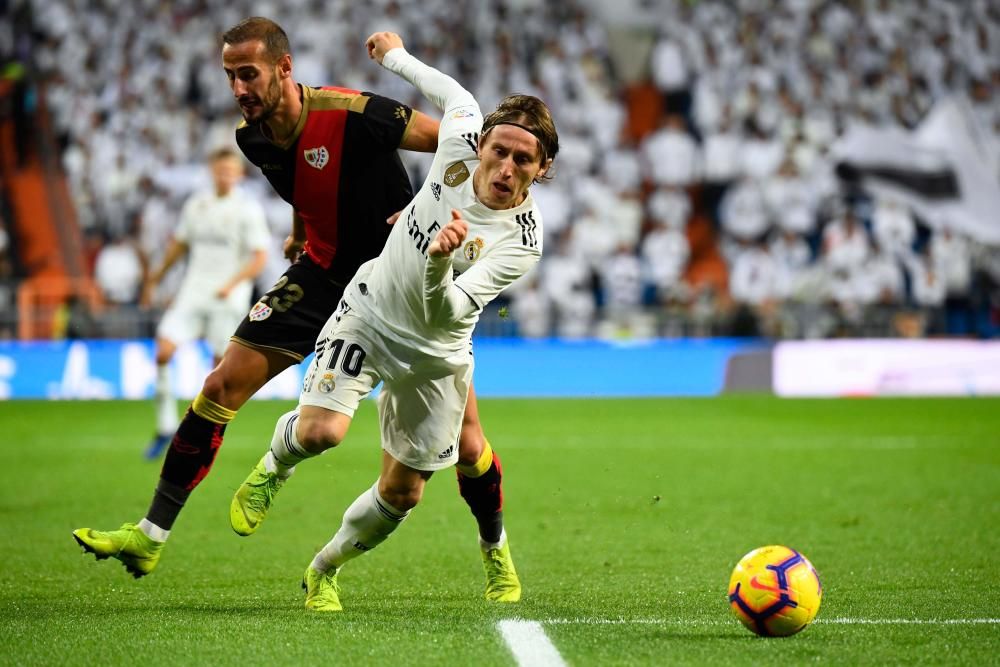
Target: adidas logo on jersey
point(447, 453)
point(436, 191)
point(317, 157)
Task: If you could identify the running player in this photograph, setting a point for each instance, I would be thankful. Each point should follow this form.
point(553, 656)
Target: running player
point(407, 317)
point(223, 233)
point(330, 153)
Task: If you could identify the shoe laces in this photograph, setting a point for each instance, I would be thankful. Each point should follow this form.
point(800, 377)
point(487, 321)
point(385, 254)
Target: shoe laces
point(261, 499)
point(497, 561)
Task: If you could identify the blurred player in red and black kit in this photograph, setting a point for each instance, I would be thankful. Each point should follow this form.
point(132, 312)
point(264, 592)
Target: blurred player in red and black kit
point(331, 154)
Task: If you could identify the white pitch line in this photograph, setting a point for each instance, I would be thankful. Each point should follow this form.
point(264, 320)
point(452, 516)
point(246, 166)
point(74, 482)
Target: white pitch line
point(818, 621)
point(529, 644)
point(910, 621)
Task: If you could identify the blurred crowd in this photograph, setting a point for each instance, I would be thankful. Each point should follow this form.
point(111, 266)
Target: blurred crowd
point(725, 218)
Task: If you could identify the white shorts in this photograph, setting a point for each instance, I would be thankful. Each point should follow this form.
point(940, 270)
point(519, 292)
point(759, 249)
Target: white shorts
point(422, 400)
point(215, 322)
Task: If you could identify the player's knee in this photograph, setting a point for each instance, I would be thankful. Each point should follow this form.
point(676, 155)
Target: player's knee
point(217, 386)
point(471, 444)
point(401, 496)
point(317, 434)
point(164, 352)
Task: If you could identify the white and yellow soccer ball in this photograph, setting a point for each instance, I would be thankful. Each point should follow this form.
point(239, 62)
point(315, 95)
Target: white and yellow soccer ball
point(775, 591)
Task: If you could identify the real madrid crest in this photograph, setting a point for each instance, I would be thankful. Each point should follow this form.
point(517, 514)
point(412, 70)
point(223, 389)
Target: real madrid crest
point(317, 157)
point(473, 248)
point(326, 384)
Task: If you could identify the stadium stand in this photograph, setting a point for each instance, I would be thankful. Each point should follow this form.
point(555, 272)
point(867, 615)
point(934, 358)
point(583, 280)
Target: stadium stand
point(720, 191)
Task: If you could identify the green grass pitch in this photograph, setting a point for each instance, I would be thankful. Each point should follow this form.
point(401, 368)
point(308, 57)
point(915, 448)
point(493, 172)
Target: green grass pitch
point(625, 519)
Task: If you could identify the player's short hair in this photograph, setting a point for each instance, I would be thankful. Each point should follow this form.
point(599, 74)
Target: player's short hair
point(259, 28)
point(531, 114)
point(223, 153)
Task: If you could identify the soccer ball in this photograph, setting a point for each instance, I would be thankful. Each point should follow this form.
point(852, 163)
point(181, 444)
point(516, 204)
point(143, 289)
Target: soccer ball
point(775, 591)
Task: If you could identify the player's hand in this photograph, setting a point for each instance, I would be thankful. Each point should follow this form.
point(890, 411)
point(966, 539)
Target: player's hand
point(391, 220)
point(223, 291)
point(450, 236)
point(381, 43)
point(293, 248)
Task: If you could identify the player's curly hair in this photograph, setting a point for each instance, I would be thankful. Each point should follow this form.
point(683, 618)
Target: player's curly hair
point(259, 28)
point(531, 114)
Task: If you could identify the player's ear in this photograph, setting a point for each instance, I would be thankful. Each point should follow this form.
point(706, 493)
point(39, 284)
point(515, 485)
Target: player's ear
point(482, 143)
point(285, 66)
point(541, 172)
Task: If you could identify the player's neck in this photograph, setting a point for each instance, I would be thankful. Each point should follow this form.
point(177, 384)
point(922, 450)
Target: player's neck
point(280, 126)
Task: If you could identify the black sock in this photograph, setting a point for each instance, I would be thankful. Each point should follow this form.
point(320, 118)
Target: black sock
point(167, 503)
point(484, 495)
point(189, 458)
point(192, 451)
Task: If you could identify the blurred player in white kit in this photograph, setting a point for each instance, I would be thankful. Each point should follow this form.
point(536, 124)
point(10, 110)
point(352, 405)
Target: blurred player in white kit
point(223, 232)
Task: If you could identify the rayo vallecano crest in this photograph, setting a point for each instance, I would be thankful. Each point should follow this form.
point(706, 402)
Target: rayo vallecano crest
point(317, 157)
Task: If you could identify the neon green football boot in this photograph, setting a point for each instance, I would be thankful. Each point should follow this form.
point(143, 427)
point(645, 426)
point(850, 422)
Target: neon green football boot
point(502, 584)
point(137, 552)
point(322, 590)
point(253, 499)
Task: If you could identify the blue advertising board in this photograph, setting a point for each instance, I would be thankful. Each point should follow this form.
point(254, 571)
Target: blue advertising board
point(116, 369)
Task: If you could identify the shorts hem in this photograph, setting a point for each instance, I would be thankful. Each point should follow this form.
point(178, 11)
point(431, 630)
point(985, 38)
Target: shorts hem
point(424, 466)
point(333, 406)
point(267, 348)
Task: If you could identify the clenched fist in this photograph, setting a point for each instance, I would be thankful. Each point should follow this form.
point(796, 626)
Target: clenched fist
point(450, 236)
point(381, 43)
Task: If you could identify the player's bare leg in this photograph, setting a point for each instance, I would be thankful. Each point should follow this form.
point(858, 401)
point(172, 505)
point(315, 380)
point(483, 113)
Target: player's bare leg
point(479, 481)
point(300, 434)
point(166, 404)
point(368, 522)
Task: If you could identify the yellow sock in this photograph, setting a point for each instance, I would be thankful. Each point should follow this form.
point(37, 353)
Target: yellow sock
point(479, 468)
point(210, 410)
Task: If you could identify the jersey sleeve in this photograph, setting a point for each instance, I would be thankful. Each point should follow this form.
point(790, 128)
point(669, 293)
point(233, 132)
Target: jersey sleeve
point(461, 117)
point(447, 300)
point(386, 120)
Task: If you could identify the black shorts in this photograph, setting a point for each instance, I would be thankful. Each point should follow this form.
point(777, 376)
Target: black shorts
point(290, 316)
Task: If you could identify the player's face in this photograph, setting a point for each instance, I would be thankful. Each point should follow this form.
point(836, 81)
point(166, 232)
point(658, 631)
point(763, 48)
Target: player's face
point(226, 173)
point(509, 160)
point(255, 82)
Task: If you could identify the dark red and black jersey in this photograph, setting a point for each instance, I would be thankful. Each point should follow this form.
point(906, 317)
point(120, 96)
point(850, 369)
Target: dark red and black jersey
point(340, 172)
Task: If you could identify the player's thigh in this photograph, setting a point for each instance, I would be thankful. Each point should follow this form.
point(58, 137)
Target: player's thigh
point(241, 372)
point(345, 368)
point(421, 414)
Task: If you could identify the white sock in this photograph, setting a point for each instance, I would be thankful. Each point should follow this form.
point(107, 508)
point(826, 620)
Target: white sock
point(285, 451)
point(367, 523)
point(167, 419)
point(153, 531)
point(486, 546)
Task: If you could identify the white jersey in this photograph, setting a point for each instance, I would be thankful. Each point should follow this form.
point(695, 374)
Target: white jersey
point(403, 292)
point(221, 233)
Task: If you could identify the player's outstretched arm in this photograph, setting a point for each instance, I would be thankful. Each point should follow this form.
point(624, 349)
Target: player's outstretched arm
point(440, 89)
